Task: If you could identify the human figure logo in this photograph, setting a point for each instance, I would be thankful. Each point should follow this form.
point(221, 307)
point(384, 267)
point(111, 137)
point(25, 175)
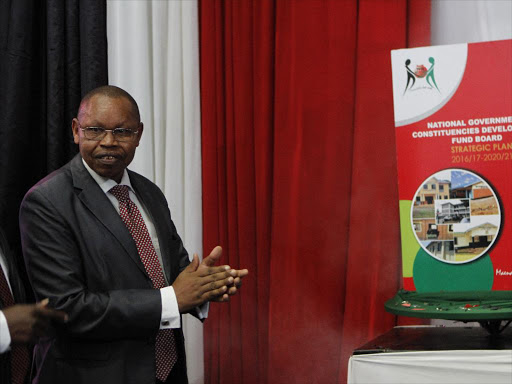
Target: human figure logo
point(421, 72)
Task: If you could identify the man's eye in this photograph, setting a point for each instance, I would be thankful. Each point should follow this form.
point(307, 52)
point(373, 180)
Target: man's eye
point(95, 129)
point(123, 132)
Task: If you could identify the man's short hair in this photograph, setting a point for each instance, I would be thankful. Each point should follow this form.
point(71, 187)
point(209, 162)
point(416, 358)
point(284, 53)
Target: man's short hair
point(113, 92)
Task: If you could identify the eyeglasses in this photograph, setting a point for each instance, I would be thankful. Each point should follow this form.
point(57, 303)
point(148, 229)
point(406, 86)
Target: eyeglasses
point(99, 133)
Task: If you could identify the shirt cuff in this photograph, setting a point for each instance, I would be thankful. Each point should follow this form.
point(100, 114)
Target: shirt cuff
point(170, 311)
point(202, 310)
point(5, 336)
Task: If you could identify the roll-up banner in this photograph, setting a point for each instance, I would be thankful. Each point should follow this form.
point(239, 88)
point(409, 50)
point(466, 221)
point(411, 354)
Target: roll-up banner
point(453, 119)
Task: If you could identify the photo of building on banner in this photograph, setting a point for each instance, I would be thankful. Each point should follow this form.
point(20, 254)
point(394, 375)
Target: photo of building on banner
point(453, 119)
point(455, 216)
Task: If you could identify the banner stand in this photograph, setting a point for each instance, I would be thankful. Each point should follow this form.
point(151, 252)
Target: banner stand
point(453, 129)
point(489, 309)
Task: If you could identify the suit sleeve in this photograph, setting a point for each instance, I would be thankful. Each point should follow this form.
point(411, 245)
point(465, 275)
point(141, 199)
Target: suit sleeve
point(55, 267)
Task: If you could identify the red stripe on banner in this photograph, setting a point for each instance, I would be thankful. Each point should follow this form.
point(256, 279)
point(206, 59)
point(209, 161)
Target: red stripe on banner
point(409, 284)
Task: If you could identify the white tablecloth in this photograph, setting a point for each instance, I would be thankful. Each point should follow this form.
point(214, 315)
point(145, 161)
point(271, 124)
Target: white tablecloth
point(443, 367)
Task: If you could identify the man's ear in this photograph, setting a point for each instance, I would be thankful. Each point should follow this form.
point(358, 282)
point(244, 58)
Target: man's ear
point(75, 127)
point(139, 133)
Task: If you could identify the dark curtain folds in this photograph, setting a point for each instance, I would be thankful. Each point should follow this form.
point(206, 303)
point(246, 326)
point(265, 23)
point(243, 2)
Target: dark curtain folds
point(52, 53)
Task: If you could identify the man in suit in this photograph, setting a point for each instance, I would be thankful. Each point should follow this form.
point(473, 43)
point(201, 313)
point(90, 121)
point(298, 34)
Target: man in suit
point(99, 242)
point(20, 324)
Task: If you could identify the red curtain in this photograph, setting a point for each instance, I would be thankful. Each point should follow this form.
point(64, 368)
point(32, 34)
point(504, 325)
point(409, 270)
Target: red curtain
point(299, 179)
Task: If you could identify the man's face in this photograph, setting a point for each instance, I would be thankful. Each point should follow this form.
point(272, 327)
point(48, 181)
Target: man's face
point(107, 157)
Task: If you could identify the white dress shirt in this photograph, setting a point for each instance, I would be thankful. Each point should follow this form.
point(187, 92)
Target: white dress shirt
point(170, 312)
point(5, 336)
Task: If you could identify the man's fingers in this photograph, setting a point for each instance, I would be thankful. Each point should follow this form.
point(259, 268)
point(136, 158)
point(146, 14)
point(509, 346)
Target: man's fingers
point(243, 272)
point(221, 299)
point(51, 314)
point(42, 311)
point(43, 303)
point(239, 272)
point(206, 271)
point(232, 291)
point(215, 285)
point(219, 292)
point(218, 278)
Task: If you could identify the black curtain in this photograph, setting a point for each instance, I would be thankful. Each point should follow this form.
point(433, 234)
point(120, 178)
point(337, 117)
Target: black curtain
point(52, 53)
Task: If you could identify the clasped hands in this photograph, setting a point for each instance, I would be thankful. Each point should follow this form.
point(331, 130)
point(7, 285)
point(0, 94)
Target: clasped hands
point(202, 282)
point(28, 322)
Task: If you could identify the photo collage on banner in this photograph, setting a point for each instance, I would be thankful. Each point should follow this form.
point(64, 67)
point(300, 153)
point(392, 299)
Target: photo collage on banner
point(455, 216)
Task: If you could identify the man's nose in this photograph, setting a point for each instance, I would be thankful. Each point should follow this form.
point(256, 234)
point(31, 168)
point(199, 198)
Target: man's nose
point(109, 139)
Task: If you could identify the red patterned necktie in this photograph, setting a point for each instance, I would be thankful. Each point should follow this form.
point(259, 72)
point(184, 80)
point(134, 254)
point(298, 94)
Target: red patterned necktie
point(20, 357)
point(165, 347)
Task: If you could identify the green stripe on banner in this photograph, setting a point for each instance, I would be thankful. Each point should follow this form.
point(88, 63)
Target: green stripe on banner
point(410, 246)
point(432, 275)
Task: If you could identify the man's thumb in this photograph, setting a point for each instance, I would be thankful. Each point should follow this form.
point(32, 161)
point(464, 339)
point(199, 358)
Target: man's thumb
point(213, 257)
point(194, 263)
point(43, 303)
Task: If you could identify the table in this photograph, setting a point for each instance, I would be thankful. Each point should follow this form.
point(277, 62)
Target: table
point(432, 354)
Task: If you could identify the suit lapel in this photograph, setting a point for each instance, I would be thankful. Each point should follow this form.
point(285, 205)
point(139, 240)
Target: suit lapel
point(157, 215)
point(95, 200)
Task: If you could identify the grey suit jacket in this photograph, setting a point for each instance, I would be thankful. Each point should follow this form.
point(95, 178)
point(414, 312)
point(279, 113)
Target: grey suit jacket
point(80, 255)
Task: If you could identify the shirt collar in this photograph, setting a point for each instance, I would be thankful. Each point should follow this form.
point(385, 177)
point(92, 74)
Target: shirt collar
point(105, 183)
